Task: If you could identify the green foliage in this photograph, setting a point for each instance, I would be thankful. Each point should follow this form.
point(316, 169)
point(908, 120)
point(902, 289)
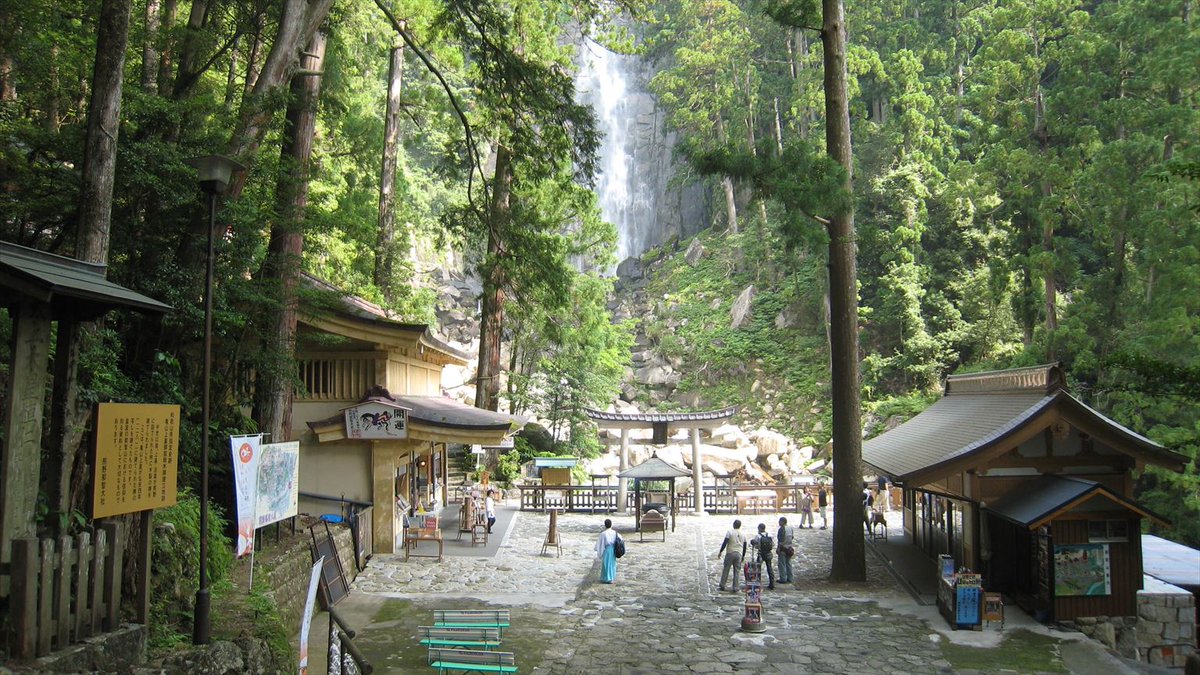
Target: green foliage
point(175, 559)
point(509, 467)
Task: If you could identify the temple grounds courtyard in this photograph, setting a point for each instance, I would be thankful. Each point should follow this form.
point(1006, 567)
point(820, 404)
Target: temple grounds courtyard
point(664, 614)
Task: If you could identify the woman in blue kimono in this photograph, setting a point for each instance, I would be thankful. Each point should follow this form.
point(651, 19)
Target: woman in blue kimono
point(604, 551)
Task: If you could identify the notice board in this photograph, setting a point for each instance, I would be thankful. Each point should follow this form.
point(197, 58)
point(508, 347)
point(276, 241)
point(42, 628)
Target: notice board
point(137, 458)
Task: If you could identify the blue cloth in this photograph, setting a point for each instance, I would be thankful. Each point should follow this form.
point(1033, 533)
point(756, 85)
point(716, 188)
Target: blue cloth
point(608, 565)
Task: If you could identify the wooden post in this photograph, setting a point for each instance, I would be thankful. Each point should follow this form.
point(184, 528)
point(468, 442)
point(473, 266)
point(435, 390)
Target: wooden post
point(622, 483)
point(24, 599)
point(21, 453)
point(81, 583)
point(97, 573)
point(141, 605)
point(45, 597)
point(383, 474)
point(112, 582)
point(697, 475)
point(63, 583)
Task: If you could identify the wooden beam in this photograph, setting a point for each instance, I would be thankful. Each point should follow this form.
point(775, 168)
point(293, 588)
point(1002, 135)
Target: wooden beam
point(21, 453)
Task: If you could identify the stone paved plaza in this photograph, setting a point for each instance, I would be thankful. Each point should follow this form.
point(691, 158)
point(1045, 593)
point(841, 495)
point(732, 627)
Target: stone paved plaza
point(664, 614)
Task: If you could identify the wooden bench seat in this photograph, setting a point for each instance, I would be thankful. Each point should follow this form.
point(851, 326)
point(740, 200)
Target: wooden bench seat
point(653, 521)
point(471, 618)
point(471, 661)
point(459, 637)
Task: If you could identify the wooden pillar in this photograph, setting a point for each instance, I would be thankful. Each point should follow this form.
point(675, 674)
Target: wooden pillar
point(21, 453)
point(697, 473)
point(623, 483)
point(383, 495)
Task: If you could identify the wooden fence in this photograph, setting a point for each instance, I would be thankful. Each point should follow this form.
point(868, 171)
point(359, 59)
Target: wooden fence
point(64, 590)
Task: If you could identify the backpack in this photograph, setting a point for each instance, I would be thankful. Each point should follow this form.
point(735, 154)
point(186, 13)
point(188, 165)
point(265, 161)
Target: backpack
point(619, 547)
point(765, 545)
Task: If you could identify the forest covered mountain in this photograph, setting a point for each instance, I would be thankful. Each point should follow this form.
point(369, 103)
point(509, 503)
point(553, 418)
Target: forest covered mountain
point(1025, 191)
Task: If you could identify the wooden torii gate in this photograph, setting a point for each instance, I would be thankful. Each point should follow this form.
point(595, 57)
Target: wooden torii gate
point(662, 425)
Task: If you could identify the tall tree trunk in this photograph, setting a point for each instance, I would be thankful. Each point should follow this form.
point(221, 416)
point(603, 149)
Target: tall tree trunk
point(8, 87)
point(232, 73)
point(67, 419)
point(385, 241)
point(166, 58)
point(727, 185)
point(849, 553)
point(53, 98)
point(189, 50)
point(253, 56)
point(495, 283)
point(150, 47)
point(276, 390)
point(1049, 284)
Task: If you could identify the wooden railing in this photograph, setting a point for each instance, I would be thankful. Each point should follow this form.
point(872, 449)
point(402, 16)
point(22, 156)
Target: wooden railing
point(65, 589)
point(717, 499)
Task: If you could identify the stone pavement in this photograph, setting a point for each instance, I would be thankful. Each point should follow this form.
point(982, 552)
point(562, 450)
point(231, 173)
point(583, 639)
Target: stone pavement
point(665, 615)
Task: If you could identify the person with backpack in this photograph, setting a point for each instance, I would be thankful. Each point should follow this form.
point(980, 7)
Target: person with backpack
point(765, 547)
point(822, 502)
point(606, 551)
point(787, 549)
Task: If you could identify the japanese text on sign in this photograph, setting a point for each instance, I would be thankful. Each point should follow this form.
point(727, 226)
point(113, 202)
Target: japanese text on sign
point(137, 453)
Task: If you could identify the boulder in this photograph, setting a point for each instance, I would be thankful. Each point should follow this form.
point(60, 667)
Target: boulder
point(769, 442)
point(631, 268)
point(655, 375)
point(741, 308)
point(695, 251)
point(730, 436)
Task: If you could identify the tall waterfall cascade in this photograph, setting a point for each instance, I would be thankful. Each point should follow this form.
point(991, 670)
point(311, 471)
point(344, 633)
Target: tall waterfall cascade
point(636, 155)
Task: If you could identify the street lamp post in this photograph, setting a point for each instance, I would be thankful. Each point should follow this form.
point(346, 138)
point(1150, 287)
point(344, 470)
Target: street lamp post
point(215, 172)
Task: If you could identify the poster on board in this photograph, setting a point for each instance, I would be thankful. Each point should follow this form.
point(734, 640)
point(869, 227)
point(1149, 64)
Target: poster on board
point(376, 421)
point(246, 452)
point(137, 458)
point(278, 482)
point(1082, 569)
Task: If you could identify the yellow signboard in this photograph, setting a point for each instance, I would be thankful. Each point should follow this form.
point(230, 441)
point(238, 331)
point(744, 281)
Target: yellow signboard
point(137, 457)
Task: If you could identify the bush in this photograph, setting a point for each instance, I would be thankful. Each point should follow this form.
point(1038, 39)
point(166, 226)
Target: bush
point(176, 564)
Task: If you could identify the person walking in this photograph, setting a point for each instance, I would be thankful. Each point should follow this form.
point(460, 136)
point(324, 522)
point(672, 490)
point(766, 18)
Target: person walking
point(489, 507)
point(787, 548)
point(606, 552)
point(822, 502)
point(734, 548)
point(766, 552)
point(806, 515)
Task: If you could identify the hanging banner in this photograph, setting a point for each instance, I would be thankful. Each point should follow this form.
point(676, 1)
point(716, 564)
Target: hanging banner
point(377, 421)
point(246, 453)
point(306, 624)
point(278, 482)
point(137, 454)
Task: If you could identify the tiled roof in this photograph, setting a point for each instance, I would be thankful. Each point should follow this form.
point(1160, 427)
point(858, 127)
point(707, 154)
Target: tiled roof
point(439, 411)
point(67, 283)
point(654, 469)
point(650, 418)
point(1046, 496)
point(981, 410)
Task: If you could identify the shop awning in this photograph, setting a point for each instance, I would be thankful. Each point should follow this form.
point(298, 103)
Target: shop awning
point(555, 462)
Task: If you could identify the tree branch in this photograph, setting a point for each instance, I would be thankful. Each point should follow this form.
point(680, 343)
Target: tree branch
point(472, 150)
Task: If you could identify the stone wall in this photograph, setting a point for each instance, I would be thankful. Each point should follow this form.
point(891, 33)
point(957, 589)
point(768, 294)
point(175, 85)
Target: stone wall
point(115, 651)
point(1162, 634)
point(1166, 624)
point(288, 573)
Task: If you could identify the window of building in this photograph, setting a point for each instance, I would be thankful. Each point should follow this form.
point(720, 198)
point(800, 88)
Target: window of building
point(1108, 530)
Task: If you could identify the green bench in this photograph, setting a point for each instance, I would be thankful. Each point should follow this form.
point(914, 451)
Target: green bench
point(471, 618)
point(471, 661)
point(459, 637)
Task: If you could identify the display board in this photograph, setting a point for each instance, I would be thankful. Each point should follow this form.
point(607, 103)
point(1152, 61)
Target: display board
point(1082, 569)
point(246, 452)
point(278, 482)
point(376, 421)
point(137, 458)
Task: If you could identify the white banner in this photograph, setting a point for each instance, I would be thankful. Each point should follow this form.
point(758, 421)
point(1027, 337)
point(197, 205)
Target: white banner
point(278, 483)
point(246, 454)
point(306, 623)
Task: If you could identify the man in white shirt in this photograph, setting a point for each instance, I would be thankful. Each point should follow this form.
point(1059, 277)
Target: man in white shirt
point(734, 548)
point(489, 507)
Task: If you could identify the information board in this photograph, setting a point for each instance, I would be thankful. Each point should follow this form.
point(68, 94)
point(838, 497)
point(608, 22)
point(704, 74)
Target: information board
point(278, 482)
point(137, 458)
point(375, 420)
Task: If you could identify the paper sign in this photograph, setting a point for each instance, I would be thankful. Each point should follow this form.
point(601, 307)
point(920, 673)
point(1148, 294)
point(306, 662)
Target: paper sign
point(246, 452)
point(375, 420)
point(137, 456)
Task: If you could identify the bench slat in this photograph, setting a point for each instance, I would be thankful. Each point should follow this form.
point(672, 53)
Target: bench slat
point(472, 661)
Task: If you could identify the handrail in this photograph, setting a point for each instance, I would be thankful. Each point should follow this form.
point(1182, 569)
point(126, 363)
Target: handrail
point(343, 499)
point(345, 638)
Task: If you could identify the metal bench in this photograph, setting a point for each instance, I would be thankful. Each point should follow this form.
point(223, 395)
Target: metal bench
point(471, 618)
point(471, 661)
point(458, 637)
point(653, 521)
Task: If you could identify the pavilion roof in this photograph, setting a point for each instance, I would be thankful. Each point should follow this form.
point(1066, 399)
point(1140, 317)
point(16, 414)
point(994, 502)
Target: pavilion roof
point(654, 469)
point(73, 288)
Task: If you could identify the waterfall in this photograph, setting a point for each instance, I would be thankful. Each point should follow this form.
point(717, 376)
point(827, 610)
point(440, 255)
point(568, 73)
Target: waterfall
point(636, 163)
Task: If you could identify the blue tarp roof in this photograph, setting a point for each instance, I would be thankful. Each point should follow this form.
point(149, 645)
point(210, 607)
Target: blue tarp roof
point(555, 462)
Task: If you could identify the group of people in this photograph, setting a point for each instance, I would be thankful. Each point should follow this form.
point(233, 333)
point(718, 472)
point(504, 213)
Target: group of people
point(763, 548)
point(735, 545)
